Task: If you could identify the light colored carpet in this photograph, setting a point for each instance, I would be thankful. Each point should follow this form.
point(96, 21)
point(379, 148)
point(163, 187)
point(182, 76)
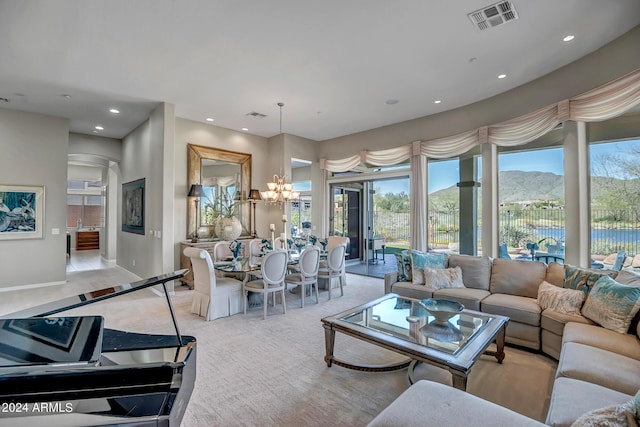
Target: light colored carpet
point(254, 372)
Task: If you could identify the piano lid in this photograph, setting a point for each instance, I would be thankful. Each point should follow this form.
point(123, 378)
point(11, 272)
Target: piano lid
point(138, 379)
point(68, 303)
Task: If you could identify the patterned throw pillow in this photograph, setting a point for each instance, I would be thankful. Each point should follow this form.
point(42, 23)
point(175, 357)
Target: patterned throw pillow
point(441, 278)
point(583, 279)
point(612, 304)
point(422, 260)
point(561, 300)
point(614, 415)
point(403, 262)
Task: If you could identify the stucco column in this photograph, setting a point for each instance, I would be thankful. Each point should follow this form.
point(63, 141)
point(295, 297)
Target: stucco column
point(419, 203)
point(490, 202)
point(468, 207)
point(577, 196)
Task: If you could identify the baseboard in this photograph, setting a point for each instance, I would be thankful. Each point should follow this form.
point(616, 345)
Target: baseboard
point(32, 286)
point(110, 262)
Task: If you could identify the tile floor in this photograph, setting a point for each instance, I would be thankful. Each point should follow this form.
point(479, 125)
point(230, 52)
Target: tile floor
point(86, 260)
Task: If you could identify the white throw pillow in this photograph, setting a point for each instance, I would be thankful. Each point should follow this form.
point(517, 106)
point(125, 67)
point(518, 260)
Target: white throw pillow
point(440, 278)
point(562, 300)
point(615, 415)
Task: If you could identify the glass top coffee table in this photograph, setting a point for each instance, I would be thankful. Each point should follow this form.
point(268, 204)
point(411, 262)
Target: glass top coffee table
point(400, 324)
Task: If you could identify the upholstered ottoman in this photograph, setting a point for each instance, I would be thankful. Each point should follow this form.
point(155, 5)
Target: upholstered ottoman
point(427, 404)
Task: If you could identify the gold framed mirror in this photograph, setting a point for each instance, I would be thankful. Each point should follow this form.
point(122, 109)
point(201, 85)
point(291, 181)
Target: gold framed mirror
point(226, 179)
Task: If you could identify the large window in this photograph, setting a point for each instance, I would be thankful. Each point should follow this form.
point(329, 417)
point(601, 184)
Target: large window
point(531, 196)
point(84, 204)
point(301, 216)
point(615, 198)
point(444, 205)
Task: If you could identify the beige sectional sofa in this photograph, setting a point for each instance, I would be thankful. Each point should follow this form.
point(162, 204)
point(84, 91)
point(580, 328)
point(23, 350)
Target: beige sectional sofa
point(597, 367)
point(498, 286)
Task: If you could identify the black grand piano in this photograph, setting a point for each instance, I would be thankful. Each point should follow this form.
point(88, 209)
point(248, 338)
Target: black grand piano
point(72, 371)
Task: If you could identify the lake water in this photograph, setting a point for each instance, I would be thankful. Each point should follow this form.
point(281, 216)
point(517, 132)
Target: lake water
point(617, 235)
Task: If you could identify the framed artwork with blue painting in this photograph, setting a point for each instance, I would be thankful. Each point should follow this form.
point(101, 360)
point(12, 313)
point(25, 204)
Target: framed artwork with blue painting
point(133, 206)
point(21, 212)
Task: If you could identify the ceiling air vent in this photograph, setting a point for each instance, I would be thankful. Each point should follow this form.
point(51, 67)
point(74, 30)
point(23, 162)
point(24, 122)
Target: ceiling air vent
point(494, 15)
point(256, 115)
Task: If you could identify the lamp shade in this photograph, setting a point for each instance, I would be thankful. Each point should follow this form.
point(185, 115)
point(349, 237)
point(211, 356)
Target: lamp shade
point(254, 194)
point(195, 190)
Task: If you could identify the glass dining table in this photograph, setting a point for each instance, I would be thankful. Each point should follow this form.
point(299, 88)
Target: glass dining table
point(242, 266)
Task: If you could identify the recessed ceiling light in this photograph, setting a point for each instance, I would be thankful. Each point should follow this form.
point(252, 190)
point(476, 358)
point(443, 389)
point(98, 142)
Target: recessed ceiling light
point(64, 95)
point(114, 111)
point(99, 127)
point(437, 101)
point(502, 76)
point(392, 101)
point(209, 119)
point(569, 38)
point(245, 129)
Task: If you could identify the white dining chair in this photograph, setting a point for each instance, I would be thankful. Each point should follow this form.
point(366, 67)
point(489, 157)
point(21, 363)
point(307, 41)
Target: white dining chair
point(221, 251)
point(213, 297)
point(307, 272)
point(334, 241)
point(273, 270)
point(334, 268)
point(255, 251)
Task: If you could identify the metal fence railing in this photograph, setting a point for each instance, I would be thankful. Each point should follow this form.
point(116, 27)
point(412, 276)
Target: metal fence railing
point(611, 230)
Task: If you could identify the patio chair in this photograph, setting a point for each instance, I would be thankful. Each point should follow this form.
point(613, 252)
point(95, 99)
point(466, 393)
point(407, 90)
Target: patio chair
point(620, 258)
point(503, 251)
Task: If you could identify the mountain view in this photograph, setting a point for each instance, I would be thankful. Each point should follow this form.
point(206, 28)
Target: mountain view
point(519, 185)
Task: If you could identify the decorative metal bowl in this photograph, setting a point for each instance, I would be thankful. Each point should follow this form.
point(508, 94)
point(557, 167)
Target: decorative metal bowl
point(441, 309)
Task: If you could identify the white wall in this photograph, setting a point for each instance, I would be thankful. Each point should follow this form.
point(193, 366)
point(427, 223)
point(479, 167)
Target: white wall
point(602, 66)
point(34, 152)
point(191, 132)
point(143, 156)
point(95, 146)
point(307, 149)
point(132, 249)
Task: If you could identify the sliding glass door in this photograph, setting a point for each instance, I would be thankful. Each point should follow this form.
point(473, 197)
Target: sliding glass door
point(374, 215)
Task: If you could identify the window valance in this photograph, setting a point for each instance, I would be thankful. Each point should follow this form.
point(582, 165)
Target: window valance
point(602, 103)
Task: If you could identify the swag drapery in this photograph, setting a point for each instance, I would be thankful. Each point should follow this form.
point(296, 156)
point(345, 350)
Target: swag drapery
point(604, 102)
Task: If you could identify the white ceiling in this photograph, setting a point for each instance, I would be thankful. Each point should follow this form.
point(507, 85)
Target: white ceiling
point(334, 63)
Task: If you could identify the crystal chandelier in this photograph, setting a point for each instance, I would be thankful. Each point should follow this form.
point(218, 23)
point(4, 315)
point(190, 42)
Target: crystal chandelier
point(279, 191)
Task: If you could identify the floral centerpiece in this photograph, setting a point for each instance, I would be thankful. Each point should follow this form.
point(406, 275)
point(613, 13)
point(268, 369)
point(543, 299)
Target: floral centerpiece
point(323, 242)
point(300, 244)
point(265, 247)
point(235, 248)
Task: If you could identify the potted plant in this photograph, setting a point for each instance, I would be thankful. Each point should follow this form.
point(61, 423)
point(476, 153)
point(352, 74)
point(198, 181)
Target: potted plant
point(227, 226)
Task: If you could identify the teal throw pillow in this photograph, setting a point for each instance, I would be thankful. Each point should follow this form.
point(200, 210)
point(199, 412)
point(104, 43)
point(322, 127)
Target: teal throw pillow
point(427, 260)
point(583, 279)
point(612, 304)
point(403, 262)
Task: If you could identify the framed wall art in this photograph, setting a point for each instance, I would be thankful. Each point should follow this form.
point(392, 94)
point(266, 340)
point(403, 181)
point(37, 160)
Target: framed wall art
point(133, 206)
point(21, 212)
